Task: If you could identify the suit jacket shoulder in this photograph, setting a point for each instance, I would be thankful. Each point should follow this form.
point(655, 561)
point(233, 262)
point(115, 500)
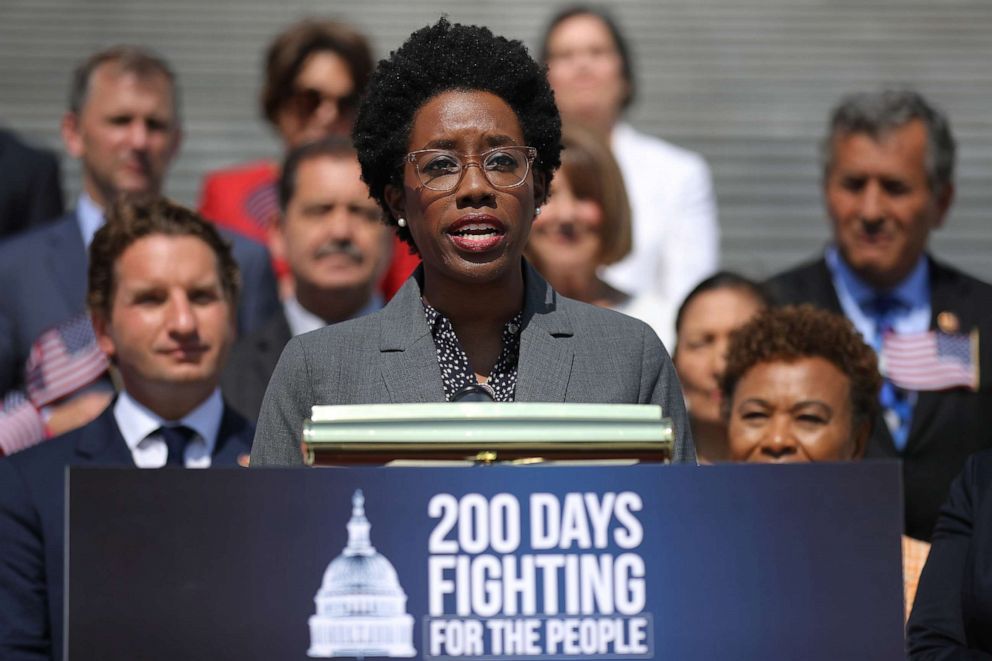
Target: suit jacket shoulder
point(971, 297)
point(259, 295)
point(30, 186)
point(43, 279)
point(32, 506)
point(251, 363)
point(952, 613)
point(21, 251)
point(32, 517)
point(809, 282)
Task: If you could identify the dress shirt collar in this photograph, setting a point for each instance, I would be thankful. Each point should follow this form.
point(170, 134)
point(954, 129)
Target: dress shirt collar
point(90, 217)
point(303, 321)
point(914, 288)
point(136, 422)
point(856, 296)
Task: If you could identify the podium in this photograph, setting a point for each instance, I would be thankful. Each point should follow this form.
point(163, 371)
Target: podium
point(486, 433)
point(494, 562)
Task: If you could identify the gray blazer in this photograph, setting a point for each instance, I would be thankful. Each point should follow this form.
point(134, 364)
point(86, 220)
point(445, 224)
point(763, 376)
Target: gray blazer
point(569, 352)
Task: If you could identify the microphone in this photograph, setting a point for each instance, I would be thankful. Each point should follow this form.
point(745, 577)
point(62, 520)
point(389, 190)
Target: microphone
point(476, 392)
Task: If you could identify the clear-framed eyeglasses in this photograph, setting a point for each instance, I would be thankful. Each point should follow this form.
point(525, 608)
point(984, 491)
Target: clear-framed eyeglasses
point(503, 167)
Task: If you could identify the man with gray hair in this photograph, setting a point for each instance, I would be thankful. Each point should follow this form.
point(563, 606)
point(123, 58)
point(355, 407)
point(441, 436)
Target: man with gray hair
point(888, 181)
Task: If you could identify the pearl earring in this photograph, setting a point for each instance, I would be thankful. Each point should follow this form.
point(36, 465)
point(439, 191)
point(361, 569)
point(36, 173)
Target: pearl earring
point(401, 222)
point(537, 212)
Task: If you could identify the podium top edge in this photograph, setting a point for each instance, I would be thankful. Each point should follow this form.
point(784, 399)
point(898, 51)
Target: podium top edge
point(522, 411)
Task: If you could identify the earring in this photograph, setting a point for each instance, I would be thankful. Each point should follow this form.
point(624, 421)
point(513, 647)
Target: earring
point(537, 212)
point(401, 222)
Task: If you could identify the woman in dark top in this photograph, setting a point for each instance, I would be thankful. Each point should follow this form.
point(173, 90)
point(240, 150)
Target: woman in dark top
point(952, 615)
point(458, 138)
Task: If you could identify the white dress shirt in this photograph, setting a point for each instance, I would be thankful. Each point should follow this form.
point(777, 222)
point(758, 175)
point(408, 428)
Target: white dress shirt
point(90, 217)
point(676, 238)
point(139, 427)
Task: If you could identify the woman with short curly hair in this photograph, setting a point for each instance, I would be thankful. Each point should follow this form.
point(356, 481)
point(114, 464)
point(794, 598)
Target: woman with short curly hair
point(458, 138)
point(800, 385)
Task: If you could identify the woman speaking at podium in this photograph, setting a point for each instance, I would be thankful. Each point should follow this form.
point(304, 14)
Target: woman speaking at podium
point(458, 139)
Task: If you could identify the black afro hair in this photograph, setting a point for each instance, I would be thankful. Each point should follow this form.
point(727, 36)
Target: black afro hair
point(440, 58)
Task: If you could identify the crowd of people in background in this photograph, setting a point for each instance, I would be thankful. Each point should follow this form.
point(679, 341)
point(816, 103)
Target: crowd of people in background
point(137, 332)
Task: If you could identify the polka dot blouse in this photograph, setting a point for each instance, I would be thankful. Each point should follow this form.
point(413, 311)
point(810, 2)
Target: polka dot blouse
point(456, 373)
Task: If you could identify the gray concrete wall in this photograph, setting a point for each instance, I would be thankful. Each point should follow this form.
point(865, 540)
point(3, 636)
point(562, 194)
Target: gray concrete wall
point(746, 82)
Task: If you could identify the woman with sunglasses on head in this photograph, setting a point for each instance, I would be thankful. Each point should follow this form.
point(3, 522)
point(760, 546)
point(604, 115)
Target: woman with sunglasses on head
point(458, 138)
point(315, 74)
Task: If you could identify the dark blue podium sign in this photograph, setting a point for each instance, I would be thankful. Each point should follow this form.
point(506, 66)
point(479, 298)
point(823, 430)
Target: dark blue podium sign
point(643, 562)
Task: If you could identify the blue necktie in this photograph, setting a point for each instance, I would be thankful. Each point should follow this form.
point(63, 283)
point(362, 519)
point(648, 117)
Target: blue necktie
point(897, 404)
point(176, 438)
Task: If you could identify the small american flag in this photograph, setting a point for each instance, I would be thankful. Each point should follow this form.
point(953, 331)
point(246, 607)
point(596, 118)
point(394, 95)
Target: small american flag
point(262, 205)
point(933, 360)
point(20, 424)
point(63, 360)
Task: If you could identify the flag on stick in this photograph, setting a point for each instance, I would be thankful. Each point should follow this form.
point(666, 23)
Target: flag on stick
point(64, 359)
point(933, 360)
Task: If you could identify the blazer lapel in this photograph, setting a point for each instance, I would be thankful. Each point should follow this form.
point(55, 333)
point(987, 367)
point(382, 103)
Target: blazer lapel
point(545, 362)
point(945, 296)
point(101, 442)
point(409, 359)
point(410, 372)
point(233, 440)
point(270, 342)
point(822, 289)
point(67, 261)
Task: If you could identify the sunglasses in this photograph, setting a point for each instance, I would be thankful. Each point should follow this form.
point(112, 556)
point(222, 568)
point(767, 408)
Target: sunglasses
point(304, 102)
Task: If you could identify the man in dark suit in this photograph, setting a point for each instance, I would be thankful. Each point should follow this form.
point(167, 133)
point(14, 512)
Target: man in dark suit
point(30, 187)
point(888, 182)
point(331, 235)
point(163, 288)
point(952, 614)
point(123, 125)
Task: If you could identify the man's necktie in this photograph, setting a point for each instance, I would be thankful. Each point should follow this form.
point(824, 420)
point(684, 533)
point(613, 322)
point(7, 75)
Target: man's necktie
point(897, 404)
point(176, 438)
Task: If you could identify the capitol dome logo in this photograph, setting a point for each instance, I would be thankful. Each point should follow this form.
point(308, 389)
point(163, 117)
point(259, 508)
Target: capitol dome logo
point(361, 607)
